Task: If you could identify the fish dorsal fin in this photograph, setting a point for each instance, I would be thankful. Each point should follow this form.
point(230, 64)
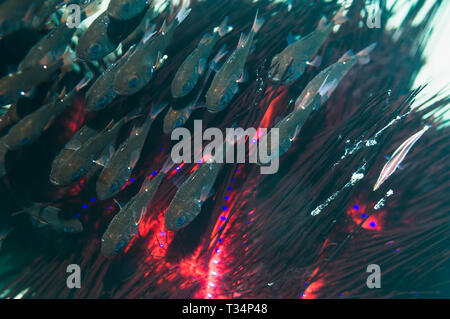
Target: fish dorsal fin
point(150, 33)
point(242, 40)
point(347, 56)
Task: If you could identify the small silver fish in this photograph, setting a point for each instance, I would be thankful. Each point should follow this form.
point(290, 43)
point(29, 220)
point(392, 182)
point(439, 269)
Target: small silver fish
point(124, 226)
point(333, 74)
point(126, 9)
point(31, 126)
point(188, 201)
point(196, 63)
point(225, 83)
point(82, 136)
point(138, 70)
point(118, 169)
point(94, 43)
point(295, 58)
point(289, 128)
point(101, 93)
point(176, 118)
point(83, 159)
point(398, 156)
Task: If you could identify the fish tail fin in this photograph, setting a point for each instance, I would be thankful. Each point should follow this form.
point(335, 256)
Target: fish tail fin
point(223, 29)
point(168, 164)
point(156, 109)
point(258, 23)
point(340, 16)
point(363, 55)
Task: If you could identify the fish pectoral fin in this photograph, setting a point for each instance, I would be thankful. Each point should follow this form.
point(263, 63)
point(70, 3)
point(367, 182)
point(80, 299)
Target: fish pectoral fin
point(29, 93)
point(242, 40)
point(49, 123)
point(118, 203)
point(201, 67)
point(206, 192)
point(105, 157)
point(159, 60)
point(244, 76)
point(134, 158)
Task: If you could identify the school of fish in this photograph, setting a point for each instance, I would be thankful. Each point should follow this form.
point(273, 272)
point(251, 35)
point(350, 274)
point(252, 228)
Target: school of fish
point(128, 63)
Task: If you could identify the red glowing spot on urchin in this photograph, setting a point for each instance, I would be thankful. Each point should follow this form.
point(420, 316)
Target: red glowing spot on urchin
point(358, 212)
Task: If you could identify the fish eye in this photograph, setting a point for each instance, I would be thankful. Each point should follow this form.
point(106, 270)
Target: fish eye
point(119, 246)
point(25, 140)
point(102, 101)
point(68, 229)
point(187, 87)
point(77, 174)
point(95, 49)
point(224, 100)
point(133, 82)
point(179, 122)
point(180, 221)
point(114, 187)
